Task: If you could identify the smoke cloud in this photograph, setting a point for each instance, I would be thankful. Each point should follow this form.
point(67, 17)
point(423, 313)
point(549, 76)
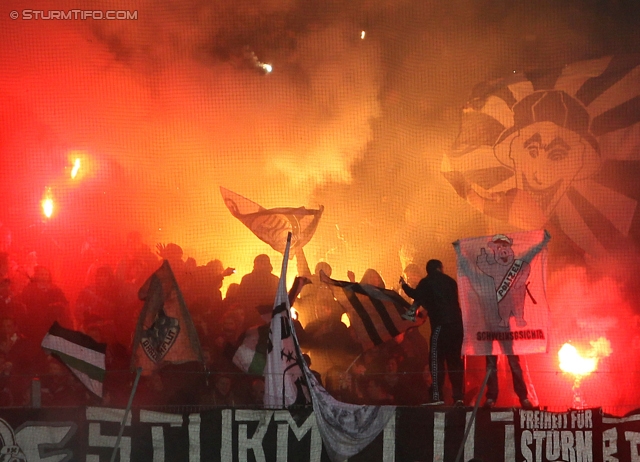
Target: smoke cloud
point(170, 106)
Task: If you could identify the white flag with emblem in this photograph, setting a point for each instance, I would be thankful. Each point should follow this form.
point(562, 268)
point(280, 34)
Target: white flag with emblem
point(284, 379)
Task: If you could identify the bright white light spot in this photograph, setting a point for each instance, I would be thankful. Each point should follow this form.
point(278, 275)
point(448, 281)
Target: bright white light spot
point(573, 363)
point(47, 204)
point(267, 67)
point(345, 319)
point(580, 365)
point(362, 34)
point(76, 167)
point(47, 207)
point(294, 314)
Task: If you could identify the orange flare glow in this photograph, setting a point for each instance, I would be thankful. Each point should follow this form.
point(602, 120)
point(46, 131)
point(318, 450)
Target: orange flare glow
point(47, 204)
point(76, 167)
point(81, 165)
point(573, 362)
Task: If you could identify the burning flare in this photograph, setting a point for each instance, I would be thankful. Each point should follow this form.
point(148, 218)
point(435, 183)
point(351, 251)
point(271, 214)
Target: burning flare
point(76, 167)
point(47, 203)
point(573, 362)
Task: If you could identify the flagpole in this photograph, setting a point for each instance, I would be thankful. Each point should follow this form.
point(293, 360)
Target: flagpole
point(473, 415)
point(126, 413)
point(282, 282)
point(352, 363)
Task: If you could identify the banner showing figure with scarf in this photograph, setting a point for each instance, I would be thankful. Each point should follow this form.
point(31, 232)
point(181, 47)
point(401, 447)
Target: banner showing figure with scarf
point(501, 280)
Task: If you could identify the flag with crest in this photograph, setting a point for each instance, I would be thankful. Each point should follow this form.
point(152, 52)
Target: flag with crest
point(165, 332)
point(251, 354)
point(273, 225)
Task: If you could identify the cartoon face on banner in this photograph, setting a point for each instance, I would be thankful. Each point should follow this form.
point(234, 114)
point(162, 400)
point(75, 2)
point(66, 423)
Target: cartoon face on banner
point(546, 156)
point(532, 149)
point(548, 147)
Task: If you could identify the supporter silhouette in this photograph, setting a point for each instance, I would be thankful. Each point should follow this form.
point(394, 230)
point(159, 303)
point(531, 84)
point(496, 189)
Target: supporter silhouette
point(5, 238)
point(413, 273)
point(343, 386)
point(222, 388)
point(17, 275)
point(101, 300)
point(138, 262)
point(45, 303)
point(411, 360)
point(231, 297)
point(316, 374)
point(173, 254)
point(117, 361)
point(20, 360)
point(204, 293)
point(11, 307)
point(259, 287)
point(256, 392)
point(370, 276)
point(377, 392)
point(392, 379)
point(93, 255)
point(226, 334)
point(60, 387)
point(4, 265)
point(314, 296)
point(190, 264)
point(151, 391)
point(329, 333)
point(438, 294)
point(518, 379)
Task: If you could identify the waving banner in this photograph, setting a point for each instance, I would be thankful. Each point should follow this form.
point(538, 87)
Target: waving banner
point(552, 148)
point(165, 332)
point(376, 313)
point(501, 281)
point(273, 225)
point(80, 353)
point(283, 377)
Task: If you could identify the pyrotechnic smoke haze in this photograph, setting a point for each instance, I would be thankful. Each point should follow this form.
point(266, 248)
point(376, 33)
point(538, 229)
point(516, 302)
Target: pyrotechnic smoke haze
point(173, 104)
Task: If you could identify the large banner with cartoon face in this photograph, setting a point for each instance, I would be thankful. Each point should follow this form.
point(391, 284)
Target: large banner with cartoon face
point(541, 149)
point(501, 281)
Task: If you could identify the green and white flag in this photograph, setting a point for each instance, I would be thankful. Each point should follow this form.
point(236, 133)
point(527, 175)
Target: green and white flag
point(80, 353)
point(251, 355)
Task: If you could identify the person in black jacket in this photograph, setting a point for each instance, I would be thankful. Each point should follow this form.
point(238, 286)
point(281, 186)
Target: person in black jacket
point(437, 293)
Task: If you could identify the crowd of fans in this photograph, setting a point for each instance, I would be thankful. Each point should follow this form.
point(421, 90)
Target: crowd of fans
point(107, 309)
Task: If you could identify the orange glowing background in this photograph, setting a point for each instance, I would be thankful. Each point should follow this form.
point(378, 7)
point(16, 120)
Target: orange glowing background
point(134, 125)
